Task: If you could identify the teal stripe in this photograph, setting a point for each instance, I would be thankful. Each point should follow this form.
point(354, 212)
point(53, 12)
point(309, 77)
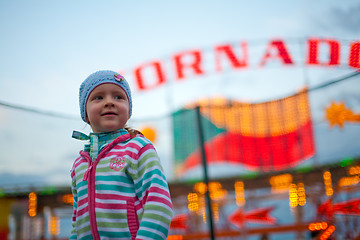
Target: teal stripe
point(154, 226)
point(147, 234)
point(157, 217)
point(153, 181)
point(111, 187)
point(115, 234)
point(119, 178)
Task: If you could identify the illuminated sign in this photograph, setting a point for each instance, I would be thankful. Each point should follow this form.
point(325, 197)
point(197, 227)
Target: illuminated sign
point(196, 201)
point(239, 193)
point(182, 65)
point(280, 183)
point(297, 196)
point(328, 183)
point(32, 204)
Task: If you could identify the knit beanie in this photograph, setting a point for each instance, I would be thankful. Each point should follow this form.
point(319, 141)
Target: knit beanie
point(97, 78)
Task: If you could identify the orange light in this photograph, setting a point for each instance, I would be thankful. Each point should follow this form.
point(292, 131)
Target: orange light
point(193, 200)
point(348, 181)
point(301, 194)
point(175, 237)
point(32, 204)
point(240, 193)
point(355, 170)
point(54, 225)
point(280, 183)
point(327, 233)
point(328, 183)
point(293, 197)
point(318, 226)
point(149, 133)
point(68, 198)
point(200, 187)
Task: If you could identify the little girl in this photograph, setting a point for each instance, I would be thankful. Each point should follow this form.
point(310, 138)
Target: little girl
point(118, 184)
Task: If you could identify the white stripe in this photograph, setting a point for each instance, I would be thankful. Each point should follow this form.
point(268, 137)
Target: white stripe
point(116, 183)
point(115, 193)
point(112, 220)
point(103, 210)
point(109, 201)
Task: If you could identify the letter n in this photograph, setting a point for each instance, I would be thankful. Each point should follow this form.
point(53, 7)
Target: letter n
point(180, 65)
point(313, 54)
point(229, 53)
point(159, 75)
point(282, 53)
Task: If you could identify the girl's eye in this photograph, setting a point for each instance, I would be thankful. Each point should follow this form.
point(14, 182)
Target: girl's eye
point(98, 98)
point(118, 97)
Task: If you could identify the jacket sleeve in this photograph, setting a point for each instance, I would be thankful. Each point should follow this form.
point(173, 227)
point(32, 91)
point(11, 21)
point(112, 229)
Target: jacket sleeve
point(74, 193)
point(153, 192)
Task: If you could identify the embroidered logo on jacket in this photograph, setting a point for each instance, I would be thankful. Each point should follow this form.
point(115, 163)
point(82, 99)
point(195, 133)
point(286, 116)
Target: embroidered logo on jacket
point(117, 164)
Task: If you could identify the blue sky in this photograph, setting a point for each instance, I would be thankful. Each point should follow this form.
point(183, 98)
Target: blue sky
point(47, 48)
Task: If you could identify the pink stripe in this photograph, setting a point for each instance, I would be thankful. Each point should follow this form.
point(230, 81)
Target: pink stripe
point(128, 145)
point(113, 196)
point(79, 161)
point(82, 211)
point(110, 206)
point(161, 191)
point(133, 220)
point(159, 200)
point(82, 201)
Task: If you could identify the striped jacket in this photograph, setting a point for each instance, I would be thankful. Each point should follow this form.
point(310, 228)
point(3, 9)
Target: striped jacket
point(122, 194)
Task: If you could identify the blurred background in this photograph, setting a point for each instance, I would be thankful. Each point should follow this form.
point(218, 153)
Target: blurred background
point(274, 87)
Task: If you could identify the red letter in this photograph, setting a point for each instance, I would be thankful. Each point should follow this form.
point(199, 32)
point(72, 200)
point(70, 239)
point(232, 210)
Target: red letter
point(354, 58)
point(229, 53)
point(159, 74)
point(195, 65)
point(282, 52)
point(314, 53)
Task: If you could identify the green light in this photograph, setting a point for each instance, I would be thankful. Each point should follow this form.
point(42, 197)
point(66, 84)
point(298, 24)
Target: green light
point(304, 169)
point(346, 161)
point(49, 190)
point(250, 175)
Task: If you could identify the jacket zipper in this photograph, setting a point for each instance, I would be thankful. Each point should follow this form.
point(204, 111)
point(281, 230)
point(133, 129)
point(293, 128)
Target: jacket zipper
point(91, 196)
point(90, 176)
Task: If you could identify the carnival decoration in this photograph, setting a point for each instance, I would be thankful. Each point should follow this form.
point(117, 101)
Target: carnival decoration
point(338, 114)
point(190, 63)
point(178, 222)
point(260, 216)
point(350, 207)
point(196, 200)
point(267, 136)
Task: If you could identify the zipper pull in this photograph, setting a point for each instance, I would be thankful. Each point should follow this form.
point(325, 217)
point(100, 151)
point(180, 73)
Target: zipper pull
point(86, 174)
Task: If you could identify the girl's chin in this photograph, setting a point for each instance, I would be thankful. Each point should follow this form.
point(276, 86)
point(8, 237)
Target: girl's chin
point(107, 129)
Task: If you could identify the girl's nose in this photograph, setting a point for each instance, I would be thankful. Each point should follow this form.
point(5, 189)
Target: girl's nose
point(109, 102)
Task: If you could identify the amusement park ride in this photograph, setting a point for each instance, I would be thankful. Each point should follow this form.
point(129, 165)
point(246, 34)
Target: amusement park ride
point(276, 196)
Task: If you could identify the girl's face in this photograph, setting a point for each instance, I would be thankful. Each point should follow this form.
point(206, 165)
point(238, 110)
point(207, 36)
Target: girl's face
point(107, 108)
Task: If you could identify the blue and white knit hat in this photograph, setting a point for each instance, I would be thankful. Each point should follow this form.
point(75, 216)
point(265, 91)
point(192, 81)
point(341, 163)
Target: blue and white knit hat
point(94, 80)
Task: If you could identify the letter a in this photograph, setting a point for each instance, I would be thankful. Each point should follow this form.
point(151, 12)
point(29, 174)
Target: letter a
point(282, 53)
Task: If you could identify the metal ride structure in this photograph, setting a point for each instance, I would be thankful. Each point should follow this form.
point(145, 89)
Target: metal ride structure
point(330, 192)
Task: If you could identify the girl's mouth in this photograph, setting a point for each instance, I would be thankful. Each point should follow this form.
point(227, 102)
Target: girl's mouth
point(109, 114)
